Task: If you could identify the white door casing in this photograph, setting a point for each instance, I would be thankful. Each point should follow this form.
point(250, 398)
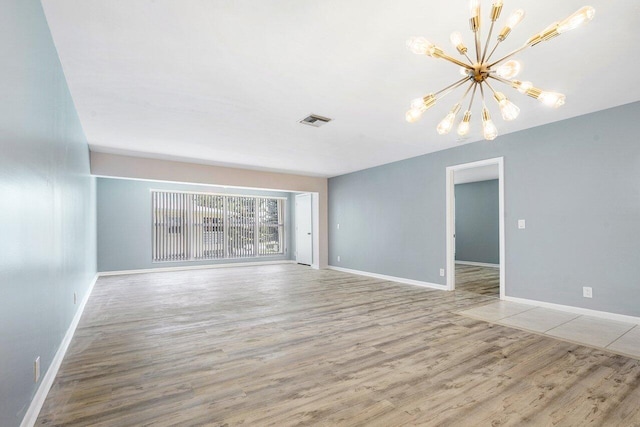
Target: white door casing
point(304, 234)
point(450, 219)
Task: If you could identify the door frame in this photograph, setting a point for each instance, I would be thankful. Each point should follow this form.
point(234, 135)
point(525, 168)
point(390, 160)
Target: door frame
point(450, 219)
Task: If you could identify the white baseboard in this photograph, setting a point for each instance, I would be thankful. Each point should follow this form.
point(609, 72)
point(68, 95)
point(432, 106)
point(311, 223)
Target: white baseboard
point(576, 310)
point(194, 267)
point(33, 411)
point(478, 264)
point(390, 278)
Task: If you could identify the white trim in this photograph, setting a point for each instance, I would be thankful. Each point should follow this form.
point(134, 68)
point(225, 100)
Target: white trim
point(576, 310)
point(315, 230)
point(31, 416)
point(478, 264)
point(194, 267)
point(450, 226)
point(390, 278)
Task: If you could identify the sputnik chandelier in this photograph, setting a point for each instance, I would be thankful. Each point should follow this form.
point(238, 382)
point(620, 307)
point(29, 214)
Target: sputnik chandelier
point(478, 72)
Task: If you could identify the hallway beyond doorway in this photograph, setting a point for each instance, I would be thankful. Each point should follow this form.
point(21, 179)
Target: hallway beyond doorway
point(478, 280)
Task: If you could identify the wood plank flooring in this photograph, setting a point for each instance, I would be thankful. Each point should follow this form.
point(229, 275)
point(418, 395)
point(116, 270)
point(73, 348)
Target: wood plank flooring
point(479, 280)
point(286, 345)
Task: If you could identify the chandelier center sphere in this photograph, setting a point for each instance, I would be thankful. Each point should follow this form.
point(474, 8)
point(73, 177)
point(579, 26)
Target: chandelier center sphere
point(480, 72)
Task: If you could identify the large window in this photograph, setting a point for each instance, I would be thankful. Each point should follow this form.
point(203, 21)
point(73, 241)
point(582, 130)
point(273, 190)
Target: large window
point(195, 226)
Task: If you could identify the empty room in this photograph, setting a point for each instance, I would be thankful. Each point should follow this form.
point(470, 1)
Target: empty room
point(349, 213)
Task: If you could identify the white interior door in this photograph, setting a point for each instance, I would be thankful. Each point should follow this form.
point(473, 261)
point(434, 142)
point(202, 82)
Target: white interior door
point(304, 236)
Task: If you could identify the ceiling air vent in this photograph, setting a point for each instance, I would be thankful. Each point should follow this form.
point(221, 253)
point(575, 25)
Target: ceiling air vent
point(315, 120)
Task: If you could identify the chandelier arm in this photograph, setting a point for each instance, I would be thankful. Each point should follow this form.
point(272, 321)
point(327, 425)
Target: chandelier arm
point(509, 55)
point(490, 87)
point(454, 60)
point(493, 50)
point(500, 79)
point(451, 87)
point(466, 92)
point(469, 59)
point(475, 86)
point(482, 94)
point(486, 45)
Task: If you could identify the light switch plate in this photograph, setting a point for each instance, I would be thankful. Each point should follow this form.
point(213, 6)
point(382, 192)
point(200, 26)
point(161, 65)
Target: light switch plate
point(521, 224)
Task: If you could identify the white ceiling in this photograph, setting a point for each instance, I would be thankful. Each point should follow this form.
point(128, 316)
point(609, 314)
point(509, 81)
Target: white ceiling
point(224, 82)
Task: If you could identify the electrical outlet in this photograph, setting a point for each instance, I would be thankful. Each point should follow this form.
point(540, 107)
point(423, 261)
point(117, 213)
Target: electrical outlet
point(442, 272)
point(587, 292)
point(338, 258)
point(75, 298)
point(522, 224)
point(36, 370)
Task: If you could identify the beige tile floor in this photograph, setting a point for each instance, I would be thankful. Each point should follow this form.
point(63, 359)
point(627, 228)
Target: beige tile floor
point(618, 337)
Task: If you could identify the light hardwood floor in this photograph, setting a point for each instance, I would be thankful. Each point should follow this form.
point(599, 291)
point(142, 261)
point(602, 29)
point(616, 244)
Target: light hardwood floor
point(287, 345)
point(479, 280)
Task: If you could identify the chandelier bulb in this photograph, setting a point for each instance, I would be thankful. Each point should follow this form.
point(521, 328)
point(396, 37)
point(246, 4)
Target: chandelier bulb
point(489, 129)
point(552, 99)
point(446, 124)
point(444, 127)
point(413, 115)
point(578, 18)
point(474, 8)
point(417, 103)
point(456, 38)
point(463, 127)
point(456, 41)
point(509, 69)
point(424, 103)
point(419, 106)
point(508, 109)
point(513, 20)
point(420, 46)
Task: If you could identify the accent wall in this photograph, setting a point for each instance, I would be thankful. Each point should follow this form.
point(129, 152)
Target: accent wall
point(576, 182)
point(47, 214)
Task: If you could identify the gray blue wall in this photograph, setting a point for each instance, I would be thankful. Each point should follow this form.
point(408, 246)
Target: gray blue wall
point(477, 222)
point(47, 213)
point(575, 182)
point(124, 223)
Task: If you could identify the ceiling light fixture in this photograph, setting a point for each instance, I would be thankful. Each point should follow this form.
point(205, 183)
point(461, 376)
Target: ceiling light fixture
point(477, 72)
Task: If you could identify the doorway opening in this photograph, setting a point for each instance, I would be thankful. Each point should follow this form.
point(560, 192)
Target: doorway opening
point(475, 227)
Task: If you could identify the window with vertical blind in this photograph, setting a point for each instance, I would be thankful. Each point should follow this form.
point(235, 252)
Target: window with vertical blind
point(197, 226)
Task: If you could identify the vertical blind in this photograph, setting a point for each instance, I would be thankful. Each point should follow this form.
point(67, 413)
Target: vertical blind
point(191, 227)
point(170, 234)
